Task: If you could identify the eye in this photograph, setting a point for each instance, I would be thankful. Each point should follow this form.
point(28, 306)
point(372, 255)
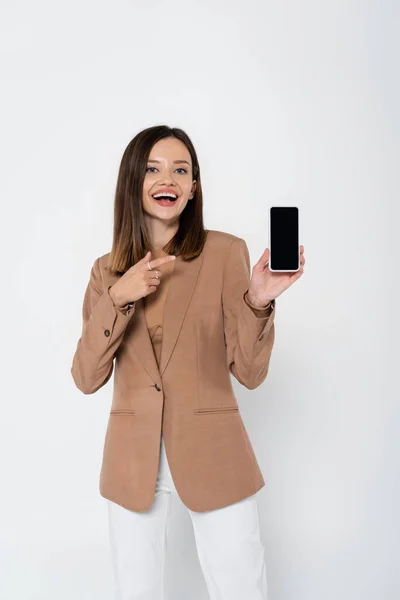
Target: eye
point(180, 169)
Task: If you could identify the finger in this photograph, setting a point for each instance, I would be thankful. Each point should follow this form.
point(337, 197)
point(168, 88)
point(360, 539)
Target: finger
point(145, 260)
point(264, 258)
point(157, 262)
point(151, 276)
point(153, 281)
point(296, 275)
point(146, 257)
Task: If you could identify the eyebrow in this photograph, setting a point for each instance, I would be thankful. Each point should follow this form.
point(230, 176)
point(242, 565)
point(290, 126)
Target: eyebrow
point(176, 162)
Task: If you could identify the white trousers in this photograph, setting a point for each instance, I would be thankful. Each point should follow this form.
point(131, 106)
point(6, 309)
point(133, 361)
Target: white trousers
point(231, 554)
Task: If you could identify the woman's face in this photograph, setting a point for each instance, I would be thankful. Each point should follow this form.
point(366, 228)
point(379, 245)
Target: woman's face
point(169, 167)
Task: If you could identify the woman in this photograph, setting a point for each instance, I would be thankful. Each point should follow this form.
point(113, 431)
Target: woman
point(175, 306)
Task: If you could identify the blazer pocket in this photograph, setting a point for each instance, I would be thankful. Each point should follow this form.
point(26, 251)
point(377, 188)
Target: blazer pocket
point(214, 388)
point(219, 409)
point(122, 411)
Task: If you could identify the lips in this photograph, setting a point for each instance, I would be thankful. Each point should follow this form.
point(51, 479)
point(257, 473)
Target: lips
point(165, 201)
point(165, 191)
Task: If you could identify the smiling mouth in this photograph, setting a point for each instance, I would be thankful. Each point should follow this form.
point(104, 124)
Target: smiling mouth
point(165, 200)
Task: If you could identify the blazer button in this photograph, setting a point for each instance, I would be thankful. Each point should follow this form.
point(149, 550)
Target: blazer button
point(106, 332)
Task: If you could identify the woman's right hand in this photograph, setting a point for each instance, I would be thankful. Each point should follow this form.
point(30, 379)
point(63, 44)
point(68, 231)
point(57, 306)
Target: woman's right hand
point(138, 281)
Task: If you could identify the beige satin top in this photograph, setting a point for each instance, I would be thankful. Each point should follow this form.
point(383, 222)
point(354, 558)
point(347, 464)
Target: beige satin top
point(154, 304)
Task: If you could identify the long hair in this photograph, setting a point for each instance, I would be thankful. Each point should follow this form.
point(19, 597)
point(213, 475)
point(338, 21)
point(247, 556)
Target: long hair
point(131, 240)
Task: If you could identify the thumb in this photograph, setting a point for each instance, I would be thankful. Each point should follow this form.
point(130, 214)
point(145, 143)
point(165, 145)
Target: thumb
point(261, 264)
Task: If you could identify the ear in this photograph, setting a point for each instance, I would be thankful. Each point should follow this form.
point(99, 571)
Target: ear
point(193, 189)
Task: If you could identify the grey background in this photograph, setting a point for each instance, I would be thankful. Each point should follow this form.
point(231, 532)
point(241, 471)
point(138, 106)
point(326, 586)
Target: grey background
point(287, 102)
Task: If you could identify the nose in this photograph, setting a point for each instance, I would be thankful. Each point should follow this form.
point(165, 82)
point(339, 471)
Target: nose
point(167, 179)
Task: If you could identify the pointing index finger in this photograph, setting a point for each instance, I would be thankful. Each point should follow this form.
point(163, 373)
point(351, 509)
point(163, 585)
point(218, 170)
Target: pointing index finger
point(157, 262)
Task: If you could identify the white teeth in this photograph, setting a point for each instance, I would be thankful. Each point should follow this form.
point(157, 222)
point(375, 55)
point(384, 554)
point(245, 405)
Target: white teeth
point(165, 194)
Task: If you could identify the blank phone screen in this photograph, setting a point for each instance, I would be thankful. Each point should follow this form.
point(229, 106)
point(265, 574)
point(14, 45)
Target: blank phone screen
point(284, 238)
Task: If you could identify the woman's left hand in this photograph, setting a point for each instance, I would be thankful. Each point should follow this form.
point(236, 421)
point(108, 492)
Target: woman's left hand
point(265, 285)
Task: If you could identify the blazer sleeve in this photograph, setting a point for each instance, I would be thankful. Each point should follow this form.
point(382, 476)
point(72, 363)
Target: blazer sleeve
point(249, 333)
point(102, 331)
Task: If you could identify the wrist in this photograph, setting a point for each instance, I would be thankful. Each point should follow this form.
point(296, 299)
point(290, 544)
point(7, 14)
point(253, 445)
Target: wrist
point(256, 303)
point(115, 300)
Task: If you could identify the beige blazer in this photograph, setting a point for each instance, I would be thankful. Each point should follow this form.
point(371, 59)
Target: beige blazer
point(209, 333)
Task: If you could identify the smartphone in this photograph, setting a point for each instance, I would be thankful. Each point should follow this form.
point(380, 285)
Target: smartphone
point(284, 239)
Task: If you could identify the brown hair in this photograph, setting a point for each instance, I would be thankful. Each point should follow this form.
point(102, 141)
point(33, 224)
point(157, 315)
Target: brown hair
point(130, 238)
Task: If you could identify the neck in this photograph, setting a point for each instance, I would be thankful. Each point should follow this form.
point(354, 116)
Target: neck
point(161, 233)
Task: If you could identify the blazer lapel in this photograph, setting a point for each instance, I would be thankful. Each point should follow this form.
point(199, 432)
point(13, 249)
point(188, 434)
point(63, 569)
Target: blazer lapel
point(180, 290)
